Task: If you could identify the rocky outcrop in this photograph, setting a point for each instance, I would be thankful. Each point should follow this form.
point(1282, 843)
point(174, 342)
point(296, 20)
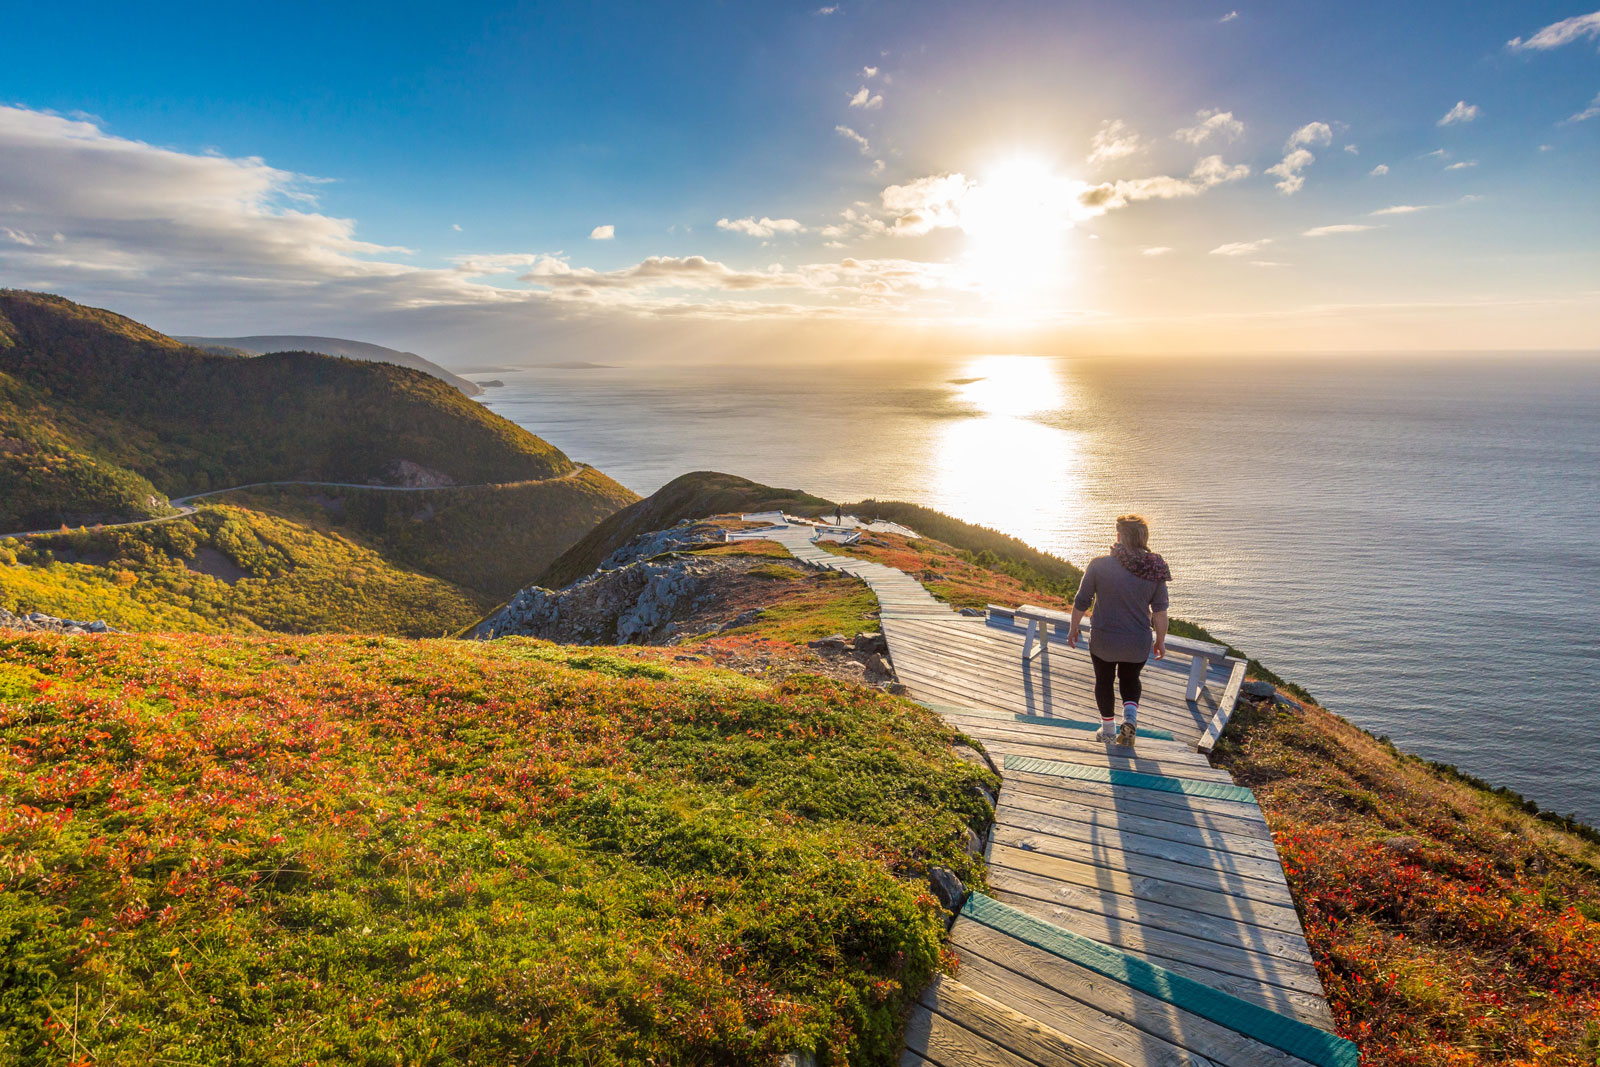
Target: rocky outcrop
point(638, 603)
point(39, 621)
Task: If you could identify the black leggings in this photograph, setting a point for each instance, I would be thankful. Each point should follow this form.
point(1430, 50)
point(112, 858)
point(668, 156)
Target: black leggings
point(1105, 672)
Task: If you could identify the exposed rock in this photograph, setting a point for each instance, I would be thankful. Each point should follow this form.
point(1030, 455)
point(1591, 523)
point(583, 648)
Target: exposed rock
point(831, 643)
point(1288, 703)
point(947, 887)
point(973, 613)
point(896, 689)
point(38, 621)
point(973, 843)
point(866, 643)
point(878, 667)
point(632, 604)
point(974, 756)
point(797, 1059)
point(1258, 690)
point(673, 539)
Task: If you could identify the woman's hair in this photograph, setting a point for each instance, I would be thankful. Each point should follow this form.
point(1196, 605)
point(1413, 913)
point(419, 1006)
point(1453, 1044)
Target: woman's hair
point(1133, 532)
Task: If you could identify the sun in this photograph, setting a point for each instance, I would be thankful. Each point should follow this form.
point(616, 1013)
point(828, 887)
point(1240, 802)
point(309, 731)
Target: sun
point(1016, 216)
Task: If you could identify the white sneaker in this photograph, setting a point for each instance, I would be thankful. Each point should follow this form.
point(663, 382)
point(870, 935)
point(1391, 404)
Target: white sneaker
point(1107, 733)
point(1125, 735)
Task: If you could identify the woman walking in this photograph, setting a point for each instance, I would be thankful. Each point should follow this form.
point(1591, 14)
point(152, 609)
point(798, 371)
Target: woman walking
point(1128, 590)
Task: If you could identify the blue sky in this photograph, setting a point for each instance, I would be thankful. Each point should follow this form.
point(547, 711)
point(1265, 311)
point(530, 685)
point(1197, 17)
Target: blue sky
point(431, 175)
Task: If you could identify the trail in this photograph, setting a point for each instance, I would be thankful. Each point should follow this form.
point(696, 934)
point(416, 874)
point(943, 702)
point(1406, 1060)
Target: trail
point(185, 509)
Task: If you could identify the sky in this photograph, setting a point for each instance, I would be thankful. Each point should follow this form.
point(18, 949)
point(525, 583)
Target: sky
point(707, 181)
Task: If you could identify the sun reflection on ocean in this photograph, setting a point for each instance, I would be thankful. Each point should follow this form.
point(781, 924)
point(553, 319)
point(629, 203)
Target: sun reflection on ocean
point(1000, 461)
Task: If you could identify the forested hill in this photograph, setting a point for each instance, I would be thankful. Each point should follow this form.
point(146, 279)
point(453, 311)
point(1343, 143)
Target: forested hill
point(331, 346)
point(101, 417)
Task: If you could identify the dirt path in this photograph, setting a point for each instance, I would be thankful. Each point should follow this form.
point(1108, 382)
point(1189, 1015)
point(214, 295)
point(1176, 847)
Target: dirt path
point(185, 510)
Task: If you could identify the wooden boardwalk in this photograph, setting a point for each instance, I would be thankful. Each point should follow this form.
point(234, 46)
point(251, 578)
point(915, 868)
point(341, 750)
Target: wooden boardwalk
point(1137, 911)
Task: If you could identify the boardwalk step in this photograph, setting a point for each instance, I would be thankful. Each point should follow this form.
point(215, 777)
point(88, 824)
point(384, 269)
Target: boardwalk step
point(955, 1025)
point(1269, 1028)
point(1040, 720)
point(1131, 779)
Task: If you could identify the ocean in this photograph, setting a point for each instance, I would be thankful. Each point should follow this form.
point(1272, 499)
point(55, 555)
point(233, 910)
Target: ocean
point(1413, 540)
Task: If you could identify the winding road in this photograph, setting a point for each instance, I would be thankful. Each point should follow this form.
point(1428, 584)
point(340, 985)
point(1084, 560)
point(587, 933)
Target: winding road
point(185, 509)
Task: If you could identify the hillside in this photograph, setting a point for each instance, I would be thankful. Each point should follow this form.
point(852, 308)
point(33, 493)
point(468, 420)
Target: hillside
point(260, 345)
point(229, 569)
point(94, 407)
point(289, 850)
point(689, 496)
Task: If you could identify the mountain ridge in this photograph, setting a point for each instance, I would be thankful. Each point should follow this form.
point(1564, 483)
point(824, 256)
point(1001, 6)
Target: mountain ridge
point(263, 344)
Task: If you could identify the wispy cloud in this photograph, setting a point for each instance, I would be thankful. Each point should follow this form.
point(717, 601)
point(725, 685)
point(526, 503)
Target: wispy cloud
point(1462, 112)
point(762, 227)
point(1557, 34)
point(1589, 112)
point(1338, 228)
point(1291, 181)
point(1229, 17)
point(456, 226)
point(866, 99)
point(869, 73)
point(1463, 165)
point(1241, 248)
point(829, 10)
point(1402, 209)
point(1267, 263)
point(603, 233)
point(1309, 134)
point(1208, 173)
point(1213, 123)
point(1352, 149)
point(851, 135)
point(1157, 250)
point(1379, 171)
point(926, 204)
point(1113, 140)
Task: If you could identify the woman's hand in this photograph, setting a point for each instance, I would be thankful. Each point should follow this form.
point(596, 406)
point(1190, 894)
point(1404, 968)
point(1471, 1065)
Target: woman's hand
point(1072, 636)
point(1161, 646)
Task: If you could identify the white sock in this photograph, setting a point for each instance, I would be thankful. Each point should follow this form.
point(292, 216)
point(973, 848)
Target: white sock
point(1130, 714)
point(1108, 725)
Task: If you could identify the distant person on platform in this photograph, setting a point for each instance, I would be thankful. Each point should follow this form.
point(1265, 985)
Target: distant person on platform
point(1128, 590)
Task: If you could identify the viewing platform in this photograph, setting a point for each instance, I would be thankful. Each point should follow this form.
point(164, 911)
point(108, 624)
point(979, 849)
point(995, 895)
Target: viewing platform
point(1137, 911)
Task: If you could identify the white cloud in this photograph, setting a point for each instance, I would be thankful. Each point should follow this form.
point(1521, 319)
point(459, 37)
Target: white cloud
point(1267, 263)
point(866, 99)
point(927, 204)
point(851, 135)
point(1113, 140)
point(1462, 112)
point(1310, 133)
point(877, 168)
point(1352, 149)
point(1342, 227)
point(869, 72)
point(1379, 171)
point(1212, 123)
point(1241, 248)
point(498, 262)
point(1213, 171)
point(762, 227)
point(1589, 112)
point(456, 226)
point(1292, 181)
point(1402, 209)
point(1229, 17)
point(829, 10)
point(1158, 250)
point(1463, 165)
point(603, 233)
point(1557, 34)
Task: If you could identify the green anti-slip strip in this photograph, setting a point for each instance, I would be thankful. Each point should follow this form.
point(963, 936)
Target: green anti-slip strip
point(1241, 1016)
point(1132, 779)
point(1039, 720)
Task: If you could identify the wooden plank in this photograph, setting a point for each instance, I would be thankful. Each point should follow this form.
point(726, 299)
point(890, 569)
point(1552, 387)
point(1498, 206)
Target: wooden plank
point(1043, 814)
point(949, 1044)
point(1014, 1031)
point(1148, 757)
point(1115, 907)
point(1111, 758)
point(1219, 721)
point(1019, 974)
point(1147, 889)
point(1290, 968)
point(935, 691)
point(1145, 856)
point(1231, 816)
point(1137, 866)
